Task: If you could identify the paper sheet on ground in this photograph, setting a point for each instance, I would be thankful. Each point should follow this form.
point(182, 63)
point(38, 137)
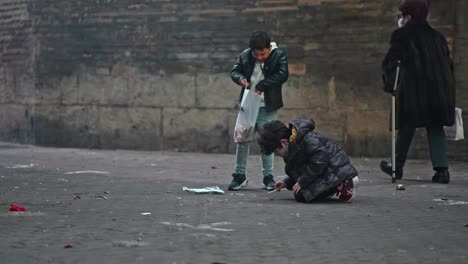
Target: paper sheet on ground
point(212, 190)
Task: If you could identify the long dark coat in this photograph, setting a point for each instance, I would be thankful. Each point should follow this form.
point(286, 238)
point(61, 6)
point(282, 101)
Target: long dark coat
point(426, 92)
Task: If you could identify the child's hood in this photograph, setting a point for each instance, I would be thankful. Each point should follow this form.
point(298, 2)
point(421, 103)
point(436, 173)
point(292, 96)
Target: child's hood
point(300, 127)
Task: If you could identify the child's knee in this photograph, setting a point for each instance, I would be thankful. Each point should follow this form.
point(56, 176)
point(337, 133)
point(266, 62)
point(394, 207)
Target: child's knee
point(299, 198)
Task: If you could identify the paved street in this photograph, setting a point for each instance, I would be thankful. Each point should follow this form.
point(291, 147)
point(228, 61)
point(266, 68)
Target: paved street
point(132, 210)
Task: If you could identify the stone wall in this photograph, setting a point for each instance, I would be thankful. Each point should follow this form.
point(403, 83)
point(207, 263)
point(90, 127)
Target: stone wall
point(154, 74)
point(16, 70)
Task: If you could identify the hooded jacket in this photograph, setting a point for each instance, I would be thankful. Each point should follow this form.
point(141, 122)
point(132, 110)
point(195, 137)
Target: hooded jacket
point(275, 70)
point(315, 161)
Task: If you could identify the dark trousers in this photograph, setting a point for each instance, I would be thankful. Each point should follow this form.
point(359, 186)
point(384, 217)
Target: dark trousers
point(323, 196)
point(437, 146)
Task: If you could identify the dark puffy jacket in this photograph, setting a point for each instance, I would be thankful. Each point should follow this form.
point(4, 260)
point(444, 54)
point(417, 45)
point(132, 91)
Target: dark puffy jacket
point(315, 161)
point(426, 92)
point(275, 70)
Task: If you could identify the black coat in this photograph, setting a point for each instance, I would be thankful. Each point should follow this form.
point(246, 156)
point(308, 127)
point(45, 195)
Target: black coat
point(315, 161)
point(275, 70)
point(426, 92)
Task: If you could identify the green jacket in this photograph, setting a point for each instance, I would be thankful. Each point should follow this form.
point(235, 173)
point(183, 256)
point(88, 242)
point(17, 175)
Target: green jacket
point(275, 70)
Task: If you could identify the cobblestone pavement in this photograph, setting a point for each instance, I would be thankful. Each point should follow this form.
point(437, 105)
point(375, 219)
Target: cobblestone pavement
point(110, 223)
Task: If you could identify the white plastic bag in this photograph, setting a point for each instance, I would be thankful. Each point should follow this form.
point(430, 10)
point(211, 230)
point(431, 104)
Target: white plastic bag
point(247, 116)
point(455, 132)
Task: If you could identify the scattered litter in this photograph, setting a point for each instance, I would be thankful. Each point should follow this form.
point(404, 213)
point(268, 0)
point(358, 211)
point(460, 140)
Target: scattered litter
point(19, 166)
point(213, 167)
point(178, 198)
point(238, 194)
point(146, 213)
point(106, 192)
point(129, 243)
point(270, 194)
point(67, 246)
point(77, 197)
point(466, 225)
point(58, 202)
point(446, 201)
point(212, 227)
point(211, 190)
point(204, 235)
point(100, 197)
point(21, 214)
point(86, 172)
point(400, 187)
point(16, 208)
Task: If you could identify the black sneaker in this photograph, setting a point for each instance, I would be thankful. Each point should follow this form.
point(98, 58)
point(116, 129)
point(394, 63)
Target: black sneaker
point(268, 183)
point(386, 167)
point(238, 181)
point(441, 177)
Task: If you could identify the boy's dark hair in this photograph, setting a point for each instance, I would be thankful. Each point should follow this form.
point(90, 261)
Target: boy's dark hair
point(417, 9)
point(259, 40)
point(271, 135)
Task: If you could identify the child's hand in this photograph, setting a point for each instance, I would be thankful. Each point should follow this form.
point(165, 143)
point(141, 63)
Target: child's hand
point(244, 83)
point(280, 185)
point(296, 188)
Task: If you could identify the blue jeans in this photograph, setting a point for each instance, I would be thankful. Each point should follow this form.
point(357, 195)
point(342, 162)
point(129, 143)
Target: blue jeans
point(242, 150)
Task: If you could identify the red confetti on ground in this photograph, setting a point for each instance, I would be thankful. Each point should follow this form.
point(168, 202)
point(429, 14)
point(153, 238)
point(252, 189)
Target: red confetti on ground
point(77, 197)
point(67, 246)
point(16, 208)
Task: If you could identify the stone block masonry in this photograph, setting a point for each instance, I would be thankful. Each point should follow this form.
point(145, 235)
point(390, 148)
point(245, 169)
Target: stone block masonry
point(155, 74)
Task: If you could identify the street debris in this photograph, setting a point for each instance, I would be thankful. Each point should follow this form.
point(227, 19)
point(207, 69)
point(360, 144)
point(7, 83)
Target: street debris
point(100, 197)
point(400, 187)
point(129, 243)
point(446, 201)
point(86, 172)
point(146, 213)
point(16, 208)
point(19, 166)
point(212, 227)
point(210, 190)
point(22, 214)
point(67, 246)
point(270, 194)
point(77, 197)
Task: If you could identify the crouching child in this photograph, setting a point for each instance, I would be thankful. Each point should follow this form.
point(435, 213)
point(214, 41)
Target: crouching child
point(316, 167)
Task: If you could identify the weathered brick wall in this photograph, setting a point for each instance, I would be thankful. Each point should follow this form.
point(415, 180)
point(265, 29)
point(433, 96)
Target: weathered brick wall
point(155, 74)
point(16, 70)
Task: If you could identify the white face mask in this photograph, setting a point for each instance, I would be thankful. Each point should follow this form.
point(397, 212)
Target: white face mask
point(401, 22)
